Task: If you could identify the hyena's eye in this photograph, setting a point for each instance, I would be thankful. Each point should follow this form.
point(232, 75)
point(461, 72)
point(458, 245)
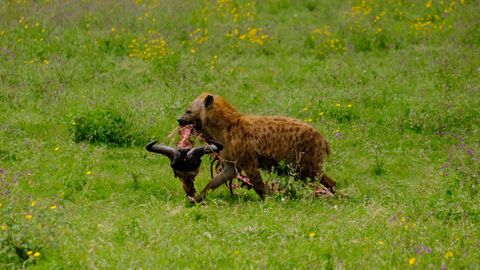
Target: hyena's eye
point(188, 112)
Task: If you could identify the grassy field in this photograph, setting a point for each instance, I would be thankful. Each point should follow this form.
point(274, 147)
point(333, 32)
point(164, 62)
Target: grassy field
point(393, 85)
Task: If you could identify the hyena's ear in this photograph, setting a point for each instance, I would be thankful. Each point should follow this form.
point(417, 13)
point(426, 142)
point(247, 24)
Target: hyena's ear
point(208, 102)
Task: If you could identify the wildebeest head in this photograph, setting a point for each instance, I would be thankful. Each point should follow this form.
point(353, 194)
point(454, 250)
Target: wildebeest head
point(185, 162)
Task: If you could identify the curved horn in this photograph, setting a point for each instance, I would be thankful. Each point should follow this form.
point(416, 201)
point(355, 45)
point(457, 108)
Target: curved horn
point(168, 151)
point(199, 151)
point(215, 147)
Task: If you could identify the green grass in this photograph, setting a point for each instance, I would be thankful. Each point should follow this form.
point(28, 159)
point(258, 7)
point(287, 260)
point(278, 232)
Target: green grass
point(84, 84)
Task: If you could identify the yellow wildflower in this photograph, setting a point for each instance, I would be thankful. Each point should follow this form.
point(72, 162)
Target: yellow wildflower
point(380, 243)
point(449, 254)
point(29, 252)
point(53, 207)
point(28, 216)
point(338, 105)
point(46, 62)
point(36, 254)
point(321, 113)
point(57, 148)
point(4, 227)
point(412, 261)
point(349, 105)
point(33, 203)
point(312, 235)
point(89, 172)
point(193, 51)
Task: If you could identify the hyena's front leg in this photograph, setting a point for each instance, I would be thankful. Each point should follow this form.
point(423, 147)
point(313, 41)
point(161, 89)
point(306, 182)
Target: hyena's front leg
point(228, 172)
point(257, 182)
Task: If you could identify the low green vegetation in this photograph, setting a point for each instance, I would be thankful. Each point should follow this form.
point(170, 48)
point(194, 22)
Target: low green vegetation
point(393, 85)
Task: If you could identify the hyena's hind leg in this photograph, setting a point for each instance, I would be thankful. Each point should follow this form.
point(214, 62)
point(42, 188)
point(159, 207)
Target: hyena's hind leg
point(313, 170)
point(317, 174)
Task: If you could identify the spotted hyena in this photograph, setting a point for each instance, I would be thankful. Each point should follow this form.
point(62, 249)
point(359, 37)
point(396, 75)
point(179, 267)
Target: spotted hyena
point(252, 142)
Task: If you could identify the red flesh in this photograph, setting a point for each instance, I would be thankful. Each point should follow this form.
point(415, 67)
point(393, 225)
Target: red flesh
point(184, 133)
point(245, 180)
point(321, 191)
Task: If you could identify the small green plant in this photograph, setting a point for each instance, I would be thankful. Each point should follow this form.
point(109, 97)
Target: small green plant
point(283, 183)
point(103, 126)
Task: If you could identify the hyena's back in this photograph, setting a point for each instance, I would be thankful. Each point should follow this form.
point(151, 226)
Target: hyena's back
point(285, 139)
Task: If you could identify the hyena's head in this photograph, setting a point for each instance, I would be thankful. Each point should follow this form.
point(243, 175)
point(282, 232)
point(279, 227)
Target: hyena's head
point(197, 111)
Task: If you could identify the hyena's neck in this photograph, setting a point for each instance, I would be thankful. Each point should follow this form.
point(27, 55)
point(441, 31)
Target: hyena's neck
point(220, 120)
